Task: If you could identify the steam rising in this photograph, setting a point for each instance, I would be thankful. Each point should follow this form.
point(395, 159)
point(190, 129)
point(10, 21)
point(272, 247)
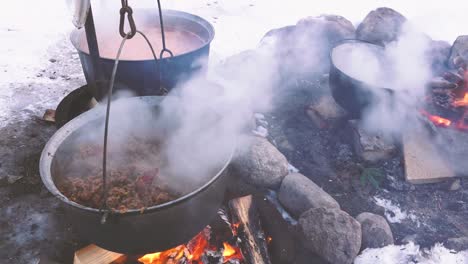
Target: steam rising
point(202, 121)
point(402, 67)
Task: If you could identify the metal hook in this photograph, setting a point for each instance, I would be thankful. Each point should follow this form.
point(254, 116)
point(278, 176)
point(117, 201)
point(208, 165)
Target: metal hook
point(127, 10)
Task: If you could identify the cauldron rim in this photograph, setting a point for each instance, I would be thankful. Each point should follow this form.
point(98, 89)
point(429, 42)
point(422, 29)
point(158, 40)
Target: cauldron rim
point(75, 35)
point(47, 156)
point(356, 79)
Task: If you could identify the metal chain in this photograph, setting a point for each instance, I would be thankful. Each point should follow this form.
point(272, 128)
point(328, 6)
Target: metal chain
point(106, 124)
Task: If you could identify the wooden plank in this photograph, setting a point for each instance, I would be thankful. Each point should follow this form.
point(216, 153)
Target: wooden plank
point(423, 162)
point(254, 245)
point(93, 254)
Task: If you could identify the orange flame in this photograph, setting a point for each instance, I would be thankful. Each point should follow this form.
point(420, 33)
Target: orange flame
point(198, 246)
point(437, 120)
point(231, 252)
point(174, 254)
point(193, 252)
point(228, 250)
point(461, 102)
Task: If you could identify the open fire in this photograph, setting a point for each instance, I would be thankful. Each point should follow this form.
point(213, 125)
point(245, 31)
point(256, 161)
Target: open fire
point(448, 106)
point(202, 249)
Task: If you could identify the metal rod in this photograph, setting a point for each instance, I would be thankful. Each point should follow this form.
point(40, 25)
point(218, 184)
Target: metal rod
point(162, 27)
point(93, 45)
point(106, 124)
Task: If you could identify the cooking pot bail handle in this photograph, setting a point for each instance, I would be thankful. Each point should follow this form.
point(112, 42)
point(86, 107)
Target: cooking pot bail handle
point(163, 36)
point(104, 206)
point(163, 50)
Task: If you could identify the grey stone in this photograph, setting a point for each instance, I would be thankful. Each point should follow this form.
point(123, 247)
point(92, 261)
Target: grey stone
point(376, 232)
point(459, 48)
point(381, 26)
point(299, 194)
point(438, 54)
point(237, 186)
point(261, 165)
point(457, 244)
point(331, 233)
point(324, 111)
point(370, 146)
point(455, 186)
point(327, 107)
point(13, 178)
point(334, 28)
point(304, 48)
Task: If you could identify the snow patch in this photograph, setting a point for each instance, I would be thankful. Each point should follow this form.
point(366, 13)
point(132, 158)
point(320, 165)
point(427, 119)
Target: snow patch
point(292, 169)
point(260, 131)
point(411, 254)
point(393, 213)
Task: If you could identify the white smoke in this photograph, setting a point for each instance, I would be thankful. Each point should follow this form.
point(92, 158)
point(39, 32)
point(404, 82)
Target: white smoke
point(405, 70)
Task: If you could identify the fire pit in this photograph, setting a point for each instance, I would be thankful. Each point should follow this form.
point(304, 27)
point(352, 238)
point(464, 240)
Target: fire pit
point(446, 104)
point(134, 231)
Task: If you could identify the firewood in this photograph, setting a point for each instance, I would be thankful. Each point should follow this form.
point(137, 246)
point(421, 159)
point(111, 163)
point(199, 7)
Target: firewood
point(423, 162)
point(93, 254)
point(443, 83)
point(282, 247)
point(254, 244)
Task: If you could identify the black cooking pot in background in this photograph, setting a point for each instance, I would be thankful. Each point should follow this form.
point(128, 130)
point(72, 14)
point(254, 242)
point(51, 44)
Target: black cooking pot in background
point(351, 92)
point(142, 76)
point(134, 232)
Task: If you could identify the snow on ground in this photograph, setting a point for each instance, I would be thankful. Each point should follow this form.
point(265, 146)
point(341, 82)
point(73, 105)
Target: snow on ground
point(411, 254)
point(393, 213)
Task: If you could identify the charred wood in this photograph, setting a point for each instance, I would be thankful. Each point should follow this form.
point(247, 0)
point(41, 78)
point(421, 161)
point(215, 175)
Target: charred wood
point(254, 244)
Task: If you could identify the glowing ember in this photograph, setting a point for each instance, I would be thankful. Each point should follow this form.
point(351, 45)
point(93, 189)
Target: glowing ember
point(437, 120)
point(461, 102)
point(269, 239)
point(234, 228)
point(453, 103)
point(193, 252)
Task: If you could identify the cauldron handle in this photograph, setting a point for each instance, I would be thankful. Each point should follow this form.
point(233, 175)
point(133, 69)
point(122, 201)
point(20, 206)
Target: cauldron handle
point(104, 206)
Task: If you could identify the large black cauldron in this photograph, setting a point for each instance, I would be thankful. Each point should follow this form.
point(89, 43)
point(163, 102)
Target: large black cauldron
point(142, 76)
point(355, 94)
point(133, 232)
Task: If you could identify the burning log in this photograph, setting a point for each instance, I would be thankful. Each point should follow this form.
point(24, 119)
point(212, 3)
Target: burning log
point(453, 77)
point(443, 83)
point(254, 244)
